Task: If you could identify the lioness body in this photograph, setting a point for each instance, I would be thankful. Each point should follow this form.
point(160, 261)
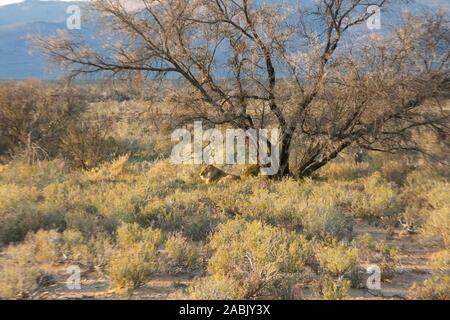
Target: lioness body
point(211, 174)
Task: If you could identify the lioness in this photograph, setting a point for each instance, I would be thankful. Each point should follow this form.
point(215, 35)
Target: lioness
point(211, 174)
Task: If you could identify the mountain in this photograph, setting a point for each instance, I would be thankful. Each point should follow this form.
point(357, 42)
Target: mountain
point(19, 21)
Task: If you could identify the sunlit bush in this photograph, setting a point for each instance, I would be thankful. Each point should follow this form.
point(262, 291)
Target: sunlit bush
point(330, 288)
point(437, 287)
point(258, 258)
point(386, 256)
point(136, 257)
point(337, 258)
point(22, 211)
point(19, 276)
point(181, 255)
point(376, 198)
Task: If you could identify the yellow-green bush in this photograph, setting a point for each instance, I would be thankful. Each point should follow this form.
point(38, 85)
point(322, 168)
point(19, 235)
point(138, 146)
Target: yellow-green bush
point(396, 171)
point(23, 210)
point(259, 259)
point(136, 257)
point(192, 213)
point(437, 222)
point(213, 288)
point(45, 245)
point(181, 255)
point(324, 213)
point(330, 288)
point(341, 171)
point(376, 198)
point(437, 287)
point(384, 255)
point(89, 251)
point(19, 275)
point(336, 258)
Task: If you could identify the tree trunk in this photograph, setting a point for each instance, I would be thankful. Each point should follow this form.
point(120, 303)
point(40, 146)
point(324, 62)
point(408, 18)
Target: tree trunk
point(285, 146)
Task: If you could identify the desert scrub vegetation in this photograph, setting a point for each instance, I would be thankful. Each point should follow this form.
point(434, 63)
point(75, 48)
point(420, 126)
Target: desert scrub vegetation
point(136, 257)
point(19, 276)
point(436, 287)
point(132, 220)
point(182, 255)
point(252, 259)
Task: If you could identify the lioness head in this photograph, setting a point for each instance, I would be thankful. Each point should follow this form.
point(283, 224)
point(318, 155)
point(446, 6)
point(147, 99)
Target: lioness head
point(209, 173)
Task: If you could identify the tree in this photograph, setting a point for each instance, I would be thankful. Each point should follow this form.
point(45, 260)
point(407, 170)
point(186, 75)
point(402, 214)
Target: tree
point(326, 82)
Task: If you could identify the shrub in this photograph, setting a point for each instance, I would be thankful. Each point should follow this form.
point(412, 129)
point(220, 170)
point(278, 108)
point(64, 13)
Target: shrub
point(212, 288)
point(33, 118)
point(22, 210)
point(32, 176)
point(331, 289)
point(46, 246)
point(19, 276)
point(181, 255)
point(337, 258)
point(258, 258)
point(272, 207)
point(437, 223)
point(85, 144)
point(434, 288)
point(324, 215)
point(341, 171)
point(136, 257)
point(396, 171)
point(386, 256)
point(87, 219)
point(92, 252)
point(192, 213)
point(376, 199)
point(437, 287)
point(75, 247)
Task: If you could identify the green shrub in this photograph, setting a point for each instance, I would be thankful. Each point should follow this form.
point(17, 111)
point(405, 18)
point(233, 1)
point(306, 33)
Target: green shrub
point(19, 276)
point(91, 251)
point(331, 289)
point(433, 288)
point(376, 199)
point(336, 258)
point(386, 256)
point(136, 257)
point(192, 213)
point(88, 220)
point(258, 258)
point(324, 214)
point(46, 246)
point(437, 223)
point(181, 255)
point(213, 288)
point(437, 287)
point(22, 210)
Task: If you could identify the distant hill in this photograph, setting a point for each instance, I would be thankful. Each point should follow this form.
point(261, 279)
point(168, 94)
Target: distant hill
point(33, 17)
point(18, 22)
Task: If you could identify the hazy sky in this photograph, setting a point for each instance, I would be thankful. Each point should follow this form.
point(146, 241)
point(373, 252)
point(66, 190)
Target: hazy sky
point(3, 2)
